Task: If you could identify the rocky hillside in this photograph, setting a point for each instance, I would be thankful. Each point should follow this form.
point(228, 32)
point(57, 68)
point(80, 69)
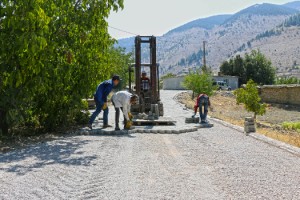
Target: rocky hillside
point(228, 35)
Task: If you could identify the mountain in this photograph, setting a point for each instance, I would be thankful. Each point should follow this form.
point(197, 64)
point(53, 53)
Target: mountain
point(279, 44)
point(264, 9)
point(256, 27)
point(205, 23)
point(294, 5)
point(127, 43)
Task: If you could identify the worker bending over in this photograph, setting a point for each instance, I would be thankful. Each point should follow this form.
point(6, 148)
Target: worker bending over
point(100, 98)
point(202, 102)
point(123, 100)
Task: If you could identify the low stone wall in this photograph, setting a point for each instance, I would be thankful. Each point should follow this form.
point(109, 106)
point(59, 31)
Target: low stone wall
point(281, 94)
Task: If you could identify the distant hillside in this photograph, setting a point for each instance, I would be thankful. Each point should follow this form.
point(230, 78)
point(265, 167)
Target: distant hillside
point(271, 28)
point(127, 43)
point(280, 44)
point(293, 21)
point(294, 5)
point(205, 23)
point(264, 9)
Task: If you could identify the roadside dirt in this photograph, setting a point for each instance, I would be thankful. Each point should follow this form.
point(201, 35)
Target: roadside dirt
point(225, 108)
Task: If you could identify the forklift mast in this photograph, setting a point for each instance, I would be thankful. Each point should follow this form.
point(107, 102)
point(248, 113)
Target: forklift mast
point(153, 68)
point(151, 40)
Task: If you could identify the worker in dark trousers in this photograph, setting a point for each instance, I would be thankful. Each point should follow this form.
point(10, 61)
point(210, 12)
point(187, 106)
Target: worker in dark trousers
point(100, 98)
point(123, 100)
point(202, 103)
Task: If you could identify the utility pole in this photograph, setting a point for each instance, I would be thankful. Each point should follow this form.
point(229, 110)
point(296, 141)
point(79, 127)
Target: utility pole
point(204, 54)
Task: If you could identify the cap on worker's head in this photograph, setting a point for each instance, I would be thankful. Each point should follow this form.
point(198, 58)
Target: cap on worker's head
point(143, 72)
point(116, 77)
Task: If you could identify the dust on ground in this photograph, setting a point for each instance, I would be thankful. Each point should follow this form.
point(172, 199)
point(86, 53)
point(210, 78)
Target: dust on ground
point(225, 108)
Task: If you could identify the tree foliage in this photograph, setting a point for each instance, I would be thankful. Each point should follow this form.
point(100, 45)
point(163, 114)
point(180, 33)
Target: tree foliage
point(53, 53)
point(254, 66)
point(292, 21)
point(199, 83)
point(250, 98)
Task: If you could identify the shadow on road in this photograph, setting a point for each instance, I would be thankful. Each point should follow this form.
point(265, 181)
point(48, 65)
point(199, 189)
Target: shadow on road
point(65, 152)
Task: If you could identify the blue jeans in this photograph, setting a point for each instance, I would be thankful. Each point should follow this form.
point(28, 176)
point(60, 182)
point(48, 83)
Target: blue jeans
point(97, 112)
point(203, 102)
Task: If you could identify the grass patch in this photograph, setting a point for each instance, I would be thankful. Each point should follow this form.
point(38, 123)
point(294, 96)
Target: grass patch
point(292, 126)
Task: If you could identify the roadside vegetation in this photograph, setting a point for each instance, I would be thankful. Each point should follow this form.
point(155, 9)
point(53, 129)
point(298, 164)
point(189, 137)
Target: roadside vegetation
point(53, 54)
point(250, 98)
point(287, 80)
point(275, 121)
point(254, 66)
point(294, 126)
point(200, 82)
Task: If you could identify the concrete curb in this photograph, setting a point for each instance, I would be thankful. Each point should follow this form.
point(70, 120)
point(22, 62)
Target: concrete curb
point(138, 130)
point(281, 145)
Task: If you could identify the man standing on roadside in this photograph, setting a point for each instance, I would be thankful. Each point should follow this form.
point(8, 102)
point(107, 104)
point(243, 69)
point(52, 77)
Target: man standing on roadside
point(123, 100)
point(100, 98)
point(202, 102)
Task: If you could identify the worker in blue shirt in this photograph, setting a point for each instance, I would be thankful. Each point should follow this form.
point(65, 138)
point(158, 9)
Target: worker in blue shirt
point(100, 98)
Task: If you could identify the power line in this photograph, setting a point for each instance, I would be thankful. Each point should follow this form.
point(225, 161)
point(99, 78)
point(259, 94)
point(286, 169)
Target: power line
point(118, 29)
point(163, 40)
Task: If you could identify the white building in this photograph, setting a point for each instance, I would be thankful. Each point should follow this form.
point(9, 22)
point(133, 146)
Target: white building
point(176, 82)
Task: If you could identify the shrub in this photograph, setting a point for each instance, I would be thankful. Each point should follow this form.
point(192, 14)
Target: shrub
point(199, 83)
point(250, 98)
point(291, 126)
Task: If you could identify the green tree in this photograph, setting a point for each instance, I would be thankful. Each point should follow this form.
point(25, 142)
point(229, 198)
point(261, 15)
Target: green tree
point(53, 53)
point(227, 68)
point(259, 68)
point(254, 66)
point(250, 98)
point(199, 83)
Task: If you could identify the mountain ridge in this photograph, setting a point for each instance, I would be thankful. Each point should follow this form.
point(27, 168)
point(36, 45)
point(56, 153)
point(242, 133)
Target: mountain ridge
point(206, 23)
point(294, 4)
point(181, 47)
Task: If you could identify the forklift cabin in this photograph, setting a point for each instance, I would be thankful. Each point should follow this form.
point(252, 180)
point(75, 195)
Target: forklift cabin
point(152, 95)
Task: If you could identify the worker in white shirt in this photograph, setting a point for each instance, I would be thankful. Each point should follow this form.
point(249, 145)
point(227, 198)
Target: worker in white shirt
point(123, 100)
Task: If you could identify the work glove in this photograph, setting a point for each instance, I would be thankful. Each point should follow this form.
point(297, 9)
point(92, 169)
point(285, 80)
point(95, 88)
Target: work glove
point(104, 107)
point(130, 116)
point(128, 125)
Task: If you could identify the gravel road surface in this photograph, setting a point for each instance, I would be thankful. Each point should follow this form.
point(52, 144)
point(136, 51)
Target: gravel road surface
point(215, 163)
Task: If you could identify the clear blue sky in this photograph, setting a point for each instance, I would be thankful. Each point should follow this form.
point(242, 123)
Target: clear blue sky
point(156, 17)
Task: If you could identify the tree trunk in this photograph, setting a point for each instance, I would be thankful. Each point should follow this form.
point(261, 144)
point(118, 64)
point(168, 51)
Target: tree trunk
point(3, 123)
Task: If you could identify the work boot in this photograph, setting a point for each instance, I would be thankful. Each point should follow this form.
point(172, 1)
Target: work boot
point(117, 128)
point(106, 126)
point(90, 126)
